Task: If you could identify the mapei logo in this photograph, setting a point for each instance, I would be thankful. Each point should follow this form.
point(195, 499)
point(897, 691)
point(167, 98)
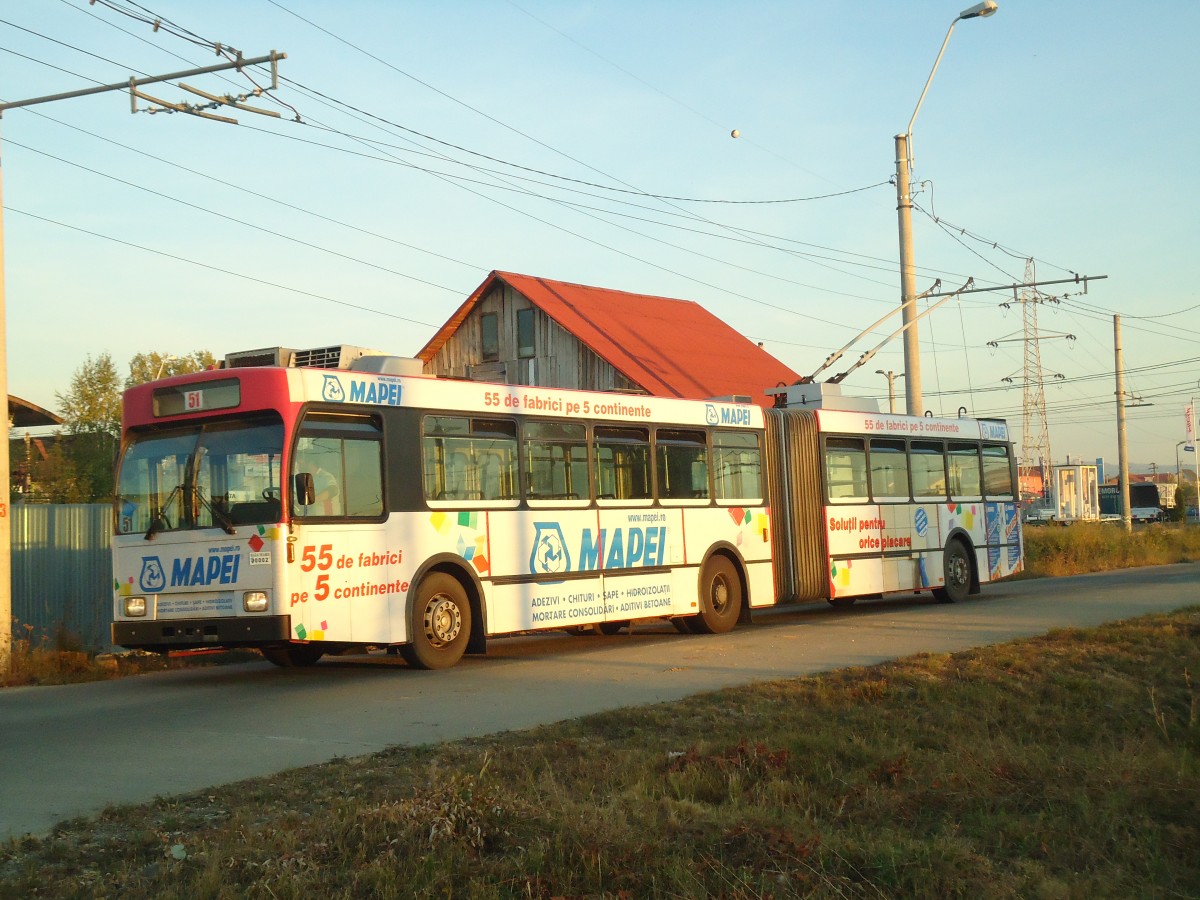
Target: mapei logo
point(332, 391)
point(153, 579)
point(993, 431)
point(549, 556)
point(726, 415)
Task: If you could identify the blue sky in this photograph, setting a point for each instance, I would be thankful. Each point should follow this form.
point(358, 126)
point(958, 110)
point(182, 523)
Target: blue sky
point(1055, 130)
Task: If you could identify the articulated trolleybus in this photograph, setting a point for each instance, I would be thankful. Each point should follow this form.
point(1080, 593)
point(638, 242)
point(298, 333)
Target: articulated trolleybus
point(336, 500)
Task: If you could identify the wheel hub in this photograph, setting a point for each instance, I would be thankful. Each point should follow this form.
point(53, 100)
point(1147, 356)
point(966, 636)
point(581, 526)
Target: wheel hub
point(719, 594)
point(443, 621)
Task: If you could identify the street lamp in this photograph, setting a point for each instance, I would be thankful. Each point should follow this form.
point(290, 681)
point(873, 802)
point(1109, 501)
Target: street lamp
point(891, 377)
point(908, 273)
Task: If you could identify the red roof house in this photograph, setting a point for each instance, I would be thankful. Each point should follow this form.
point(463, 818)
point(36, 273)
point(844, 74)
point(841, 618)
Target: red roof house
point(518, 329)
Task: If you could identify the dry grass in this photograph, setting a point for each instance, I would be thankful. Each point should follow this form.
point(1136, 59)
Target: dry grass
point(1096, 547)
point(1060, 766)
point(61, 659)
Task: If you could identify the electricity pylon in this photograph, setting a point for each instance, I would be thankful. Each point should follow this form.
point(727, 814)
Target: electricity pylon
point(1035, 433)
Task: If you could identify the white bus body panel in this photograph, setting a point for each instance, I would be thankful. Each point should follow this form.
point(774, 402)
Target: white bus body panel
point(906, 542)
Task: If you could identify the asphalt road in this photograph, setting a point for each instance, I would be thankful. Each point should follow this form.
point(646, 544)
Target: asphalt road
point(72, 750)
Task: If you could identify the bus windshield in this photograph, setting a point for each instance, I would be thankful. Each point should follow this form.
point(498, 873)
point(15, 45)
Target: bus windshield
point(217, 474)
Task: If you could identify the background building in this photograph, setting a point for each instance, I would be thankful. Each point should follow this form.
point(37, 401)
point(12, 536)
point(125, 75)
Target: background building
point(517, 329)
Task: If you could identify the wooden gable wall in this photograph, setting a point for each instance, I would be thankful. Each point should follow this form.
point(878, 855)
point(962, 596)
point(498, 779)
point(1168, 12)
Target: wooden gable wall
point(560, 359)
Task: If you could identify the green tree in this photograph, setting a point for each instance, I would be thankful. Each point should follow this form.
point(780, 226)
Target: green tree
point(154, 365)
point(91, 411)
point(53, 478)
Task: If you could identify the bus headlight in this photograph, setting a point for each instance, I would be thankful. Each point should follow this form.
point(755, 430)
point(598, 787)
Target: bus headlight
point(135, 606)
point(254, 601)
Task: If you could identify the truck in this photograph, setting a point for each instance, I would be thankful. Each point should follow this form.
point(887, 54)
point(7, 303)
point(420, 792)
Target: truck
point(1145, 501)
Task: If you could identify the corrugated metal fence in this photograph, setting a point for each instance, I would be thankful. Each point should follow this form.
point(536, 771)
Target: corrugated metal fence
point(62, 572)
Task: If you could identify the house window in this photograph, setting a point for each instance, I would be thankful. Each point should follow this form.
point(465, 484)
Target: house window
point(489, 326)
point(525, 348)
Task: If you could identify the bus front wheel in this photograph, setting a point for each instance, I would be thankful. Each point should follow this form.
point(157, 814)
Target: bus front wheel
point(956, 565)
point(441, 625)
point(720, 598)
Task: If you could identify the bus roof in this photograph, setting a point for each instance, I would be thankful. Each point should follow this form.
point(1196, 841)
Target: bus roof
point(224, 391)
point(896, 425)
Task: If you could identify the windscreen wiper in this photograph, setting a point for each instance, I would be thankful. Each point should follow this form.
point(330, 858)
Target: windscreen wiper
point(158, 522)
point(224, 520)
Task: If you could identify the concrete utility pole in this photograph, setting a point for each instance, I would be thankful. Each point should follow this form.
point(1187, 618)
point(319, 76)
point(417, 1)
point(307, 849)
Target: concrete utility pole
point(891, 378)
point(908, 272)
point(1122, 458)
point(5, 477)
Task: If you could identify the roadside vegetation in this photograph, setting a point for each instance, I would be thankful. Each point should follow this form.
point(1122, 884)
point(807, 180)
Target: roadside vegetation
point(1050, 550)
point(1060, 766)
point(62, 659)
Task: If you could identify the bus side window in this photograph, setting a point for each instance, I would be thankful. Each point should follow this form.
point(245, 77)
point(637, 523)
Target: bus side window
point(737, 465)
point(456, 476)
point(845, 470)
point(889, 470)
point(556, 462)
point(997, 472)
point(622, 463)
point(681, 459)
point(344, 456)
point(963, 462)
point(928, 462)
point(469, 459)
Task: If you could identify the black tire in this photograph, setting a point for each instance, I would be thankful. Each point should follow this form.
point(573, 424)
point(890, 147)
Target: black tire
point(288, 656)
point(611, 628)
point(441, 624)
point(720, 598)
point(956, 568)
point(841, 601)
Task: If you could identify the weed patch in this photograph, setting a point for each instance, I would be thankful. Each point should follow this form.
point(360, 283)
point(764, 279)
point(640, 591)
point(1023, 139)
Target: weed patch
point(1101, 547)
point(1062, 766)
point(62, 660)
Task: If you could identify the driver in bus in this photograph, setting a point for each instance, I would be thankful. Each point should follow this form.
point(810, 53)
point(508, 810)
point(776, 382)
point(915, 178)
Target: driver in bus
point(326, 493)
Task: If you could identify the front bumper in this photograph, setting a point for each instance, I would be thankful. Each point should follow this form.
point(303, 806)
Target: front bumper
point(186, 634)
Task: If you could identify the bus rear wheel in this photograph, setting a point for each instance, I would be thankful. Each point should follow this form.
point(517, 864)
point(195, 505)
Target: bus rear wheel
point(289, 656)
point(441, 625)
point(720, 598)
point(956, 567)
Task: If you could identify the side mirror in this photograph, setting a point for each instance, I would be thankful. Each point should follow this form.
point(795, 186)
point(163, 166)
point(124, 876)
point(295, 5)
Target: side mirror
point(304, 494)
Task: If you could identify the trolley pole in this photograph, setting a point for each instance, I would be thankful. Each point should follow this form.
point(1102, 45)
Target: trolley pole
point(6, 618)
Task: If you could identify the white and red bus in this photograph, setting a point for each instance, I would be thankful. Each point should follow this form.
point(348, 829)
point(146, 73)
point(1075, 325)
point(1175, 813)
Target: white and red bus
point(305, 509)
